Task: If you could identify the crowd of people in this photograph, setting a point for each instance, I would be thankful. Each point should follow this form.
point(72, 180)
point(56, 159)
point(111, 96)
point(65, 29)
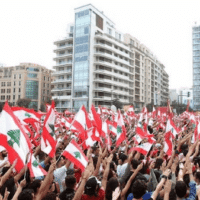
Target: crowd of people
point(114, 171)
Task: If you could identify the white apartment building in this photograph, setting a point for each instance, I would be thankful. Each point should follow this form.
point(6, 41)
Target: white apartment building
point(96, 64)
point(186, 94)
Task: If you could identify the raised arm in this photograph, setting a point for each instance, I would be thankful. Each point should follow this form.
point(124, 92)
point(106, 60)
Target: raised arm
point(105, 175)
point(47, 181)
point(124, 191)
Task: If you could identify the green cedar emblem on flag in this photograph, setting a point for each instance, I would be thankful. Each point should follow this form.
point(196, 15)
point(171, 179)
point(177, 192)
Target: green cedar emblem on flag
point(27, 115)
point(77, 154)
point(119, 129)
point(35, 163)
point(15, 137)
point(51, 126)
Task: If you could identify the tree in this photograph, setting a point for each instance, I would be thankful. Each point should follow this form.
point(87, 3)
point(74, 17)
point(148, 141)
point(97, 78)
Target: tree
point(24, 102)
point(117, 103)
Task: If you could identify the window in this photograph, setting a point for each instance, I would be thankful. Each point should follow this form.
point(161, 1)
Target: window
point(109, 31)
point(2, 97)
point(99, 22)
point(43, 84)
point(18, 96)
point(14, 76)
point(3, 84)
point(19, 89)
point(14, 83)
point(32, 89)
point(8, 90)
point(31, 75)
point(8, 83)
point(44, 78)
point(71, 29)
point(19, 83)
point(2, 90)
point(20, 76)
point(8, 97)
point(14, 90)
point(13, 97)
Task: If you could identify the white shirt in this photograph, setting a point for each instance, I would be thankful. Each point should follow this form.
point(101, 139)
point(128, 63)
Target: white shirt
point(59, 176)
point(121, 170)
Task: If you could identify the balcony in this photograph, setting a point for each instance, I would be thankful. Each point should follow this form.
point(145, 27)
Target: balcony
point(61, 89)
point(67, 46)
point(66, 97)
point(103, 98)
point(63, 56)
point(62, 64)
point(103, 89)
point(62, 80)
point(61, 72)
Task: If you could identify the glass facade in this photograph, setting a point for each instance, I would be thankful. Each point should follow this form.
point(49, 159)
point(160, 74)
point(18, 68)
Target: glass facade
point(196, 67)
point(31, 75)
point(32, 89)
point(81, 57)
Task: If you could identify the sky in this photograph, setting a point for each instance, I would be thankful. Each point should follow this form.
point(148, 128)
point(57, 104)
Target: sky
point(28, 29)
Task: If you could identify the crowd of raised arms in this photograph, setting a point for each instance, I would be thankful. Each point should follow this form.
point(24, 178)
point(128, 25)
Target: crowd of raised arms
point(99, 154)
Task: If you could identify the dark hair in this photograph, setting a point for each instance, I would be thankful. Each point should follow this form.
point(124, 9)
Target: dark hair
point(90, 187)
point(180, 189)
point(111, 186)
point(123, 157)
point(26, 194)
point(4, 170)
point(70, 181)
point(50, 196)
point(172, 195)
point(184, 146)
point(95, 160)
point(134, 163)
point(158, 163)
point(185, 151)
point(197, 175)
point(35, 185)
point(138, 189)
point(186, 179)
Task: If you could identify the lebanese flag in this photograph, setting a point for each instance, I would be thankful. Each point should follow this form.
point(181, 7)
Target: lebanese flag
point(171, 127)
point(105, 135)
point(137, 139)
point(112, 127)
point(154, 113)
point(26, 115)
point(82, 122)
point(168, 145)
point(13, 138)
point(74, 153)
point(48, 139)
point(121, 130)
point(143, 148)
point(96, 118)
point(144, 134)
point(35, 169)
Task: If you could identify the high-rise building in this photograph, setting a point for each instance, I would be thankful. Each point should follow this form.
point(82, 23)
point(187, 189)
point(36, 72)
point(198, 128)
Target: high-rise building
point(26, 80)
point(96, 64)
point(196, 65)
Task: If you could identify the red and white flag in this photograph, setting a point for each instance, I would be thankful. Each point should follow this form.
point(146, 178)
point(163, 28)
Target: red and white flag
point(121, 130)
point(82, 122)
point(168, 145)
point(35, 169)
point(48, 139)
point(143, 148)
point(171, 127)
point(74, 153)
point(13, 138)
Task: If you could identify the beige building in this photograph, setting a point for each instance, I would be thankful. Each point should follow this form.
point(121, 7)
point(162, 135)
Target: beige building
point(26, 80)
